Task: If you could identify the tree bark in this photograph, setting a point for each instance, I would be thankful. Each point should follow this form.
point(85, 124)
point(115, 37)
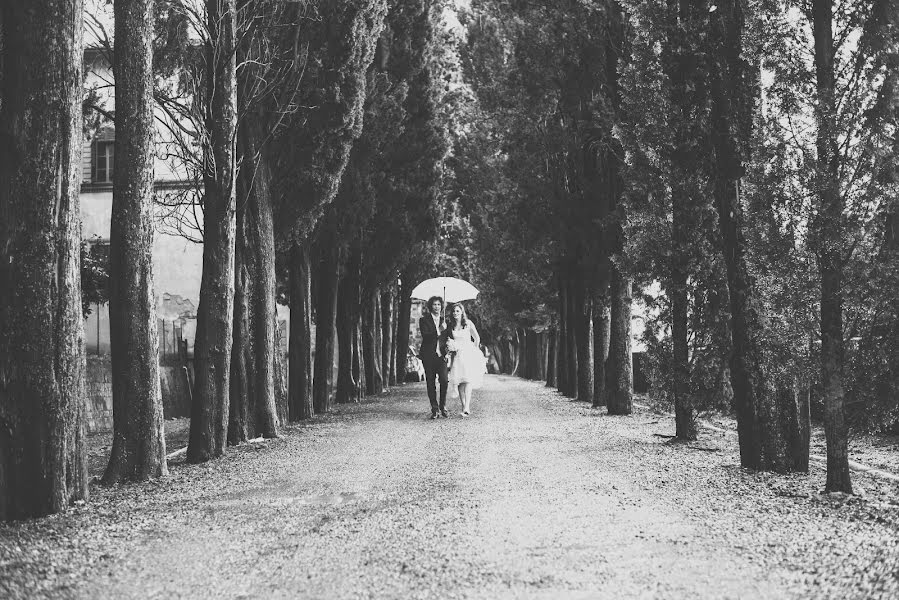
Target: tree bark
point(403, 325)
point(281, 339)
point(240, 415)
point(684, 414)
point(359, 359)
point(830, 246)
point(601, 341)
point(772, 422)
point(541, 357)
point(325, 323)
point(259, 232)
point(138, 442)
point(300, 365)
point(796, 425)
point(348, 315)
point(571, 342)
point(552, 358)
point(614, 379)
point(253, 403)
point(215, 313)
point(682, 66)
point(524, 353)
point(387, 337)
point(371, 342)
point(42, 459)
point(621, 378)
point(562, 364)
point(583, 311)
point(514, 354)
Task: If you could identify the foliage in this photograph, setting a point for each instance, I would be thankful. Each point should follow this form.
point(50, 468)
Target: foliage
point(94, 275)
point(784, 188)
point(525, 171)
point(672, 225)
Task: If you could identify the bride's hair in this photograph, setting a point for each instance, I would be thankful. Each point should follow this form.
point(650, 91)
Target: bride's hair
point(450, 319)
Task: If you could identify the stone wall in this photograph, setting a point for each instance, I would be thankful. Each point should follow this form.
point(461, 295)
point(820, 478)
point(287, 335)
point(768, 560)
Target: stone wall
point(175, 387)
point(173, 384)
point(175, 380)
point(99, 393)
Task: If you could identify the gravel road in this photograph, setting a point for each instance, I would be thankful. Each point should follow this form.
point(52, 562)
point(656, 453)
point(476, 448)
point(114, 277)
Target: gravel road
point(533, 496)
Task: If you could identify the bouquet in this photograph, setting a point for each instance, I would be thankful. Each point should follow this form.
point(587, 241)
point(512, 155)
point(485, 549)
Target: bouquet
point(451, 349)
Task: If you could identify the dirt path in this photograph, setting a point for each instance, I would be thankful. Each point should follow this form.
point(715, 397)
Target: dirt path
point(531, 497)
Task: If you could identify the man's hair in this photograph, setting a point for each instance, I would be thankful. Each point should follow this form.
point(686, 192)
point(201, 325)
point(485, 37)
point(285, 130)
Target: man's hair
point(434, 299)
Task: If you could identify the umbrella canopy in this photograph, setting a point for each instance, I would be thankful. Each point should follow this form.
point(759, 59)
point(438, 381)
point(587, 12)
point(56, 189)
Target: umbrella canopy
point(451, 289)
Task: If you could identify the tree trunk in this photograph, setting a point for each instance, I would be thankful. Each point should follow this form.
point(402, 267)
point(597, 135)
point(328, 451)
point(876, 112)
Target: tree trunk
point(617, 381)
point(42, 459)
point(524, 353)
point(514, 354)
point(371, 342)
point(562, 342)
point(796, 425)
point(212, 345)
point(621, 377)
point(387, 337)
point(540, 356)
point(830, 246)
point(684, 413)
point(138, 442)
point(325, 323)
point(583, 317)
point(552, 358)
point(253, 411)
point(681, 64)
point(403, 325)
point(530, 351)
point(572, 338)
point(242, 368)
point(348, 314)
point(601, 341)
point(260, 237)
point(358, 359)
point(772, 422)
point(300, 365)
point(281, 375)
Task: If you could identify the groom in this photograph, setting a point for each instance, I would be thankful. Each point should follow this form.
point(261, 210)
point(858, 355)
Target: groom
point(430, 325)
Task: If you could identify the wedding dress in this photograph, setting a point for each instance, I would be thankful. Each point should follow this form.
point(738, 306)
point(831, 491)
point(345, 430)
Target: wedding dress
point(469, 364)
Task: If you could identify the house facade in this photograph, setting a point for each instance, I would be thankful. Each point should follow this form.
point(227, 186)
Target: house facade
point(177, 250)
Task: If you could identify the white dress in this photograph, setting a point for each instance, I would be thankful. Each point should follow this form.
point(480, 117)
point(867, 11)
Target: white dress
point(469, 364)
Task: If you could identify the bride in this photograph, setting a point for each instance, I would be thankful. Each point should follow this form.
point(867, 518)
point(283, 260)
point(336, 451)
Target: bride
point(467, 363)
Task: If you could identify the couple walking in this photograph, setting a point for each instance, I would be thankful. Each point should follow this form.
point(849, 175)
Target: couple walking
point(450, 353)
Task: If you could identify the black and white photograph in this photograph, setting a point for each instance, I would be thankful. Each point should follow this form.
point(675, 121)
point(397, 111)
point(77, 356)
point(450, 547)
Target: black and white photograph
point(449, 299)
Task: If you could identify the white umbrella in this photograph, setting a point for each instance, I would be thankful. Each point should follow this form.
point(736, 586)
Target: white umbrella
point(451, 289)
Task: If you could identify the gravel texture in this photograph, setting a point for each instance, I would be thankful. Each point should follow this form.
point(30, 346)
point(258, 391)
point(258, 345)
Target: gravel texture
point(533, 496)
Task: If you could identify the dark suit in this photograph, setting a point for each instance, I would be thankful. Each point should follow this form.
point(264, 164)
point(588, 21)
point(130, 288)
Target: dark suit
point(433, 363)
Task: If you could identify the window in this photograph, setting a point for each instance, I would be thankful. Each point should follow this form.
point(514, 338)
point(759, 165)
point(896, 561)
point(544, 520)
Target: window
point(104, 161)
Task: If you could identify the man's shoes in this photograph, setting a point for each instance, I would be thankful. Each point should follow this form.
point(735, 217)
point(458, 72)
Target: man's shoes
point(443, 413)
point(434, 415)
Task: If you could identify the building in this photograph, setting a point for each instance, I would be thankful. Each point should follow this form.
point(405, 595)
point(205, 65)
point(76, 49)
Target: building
point(177, 250)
